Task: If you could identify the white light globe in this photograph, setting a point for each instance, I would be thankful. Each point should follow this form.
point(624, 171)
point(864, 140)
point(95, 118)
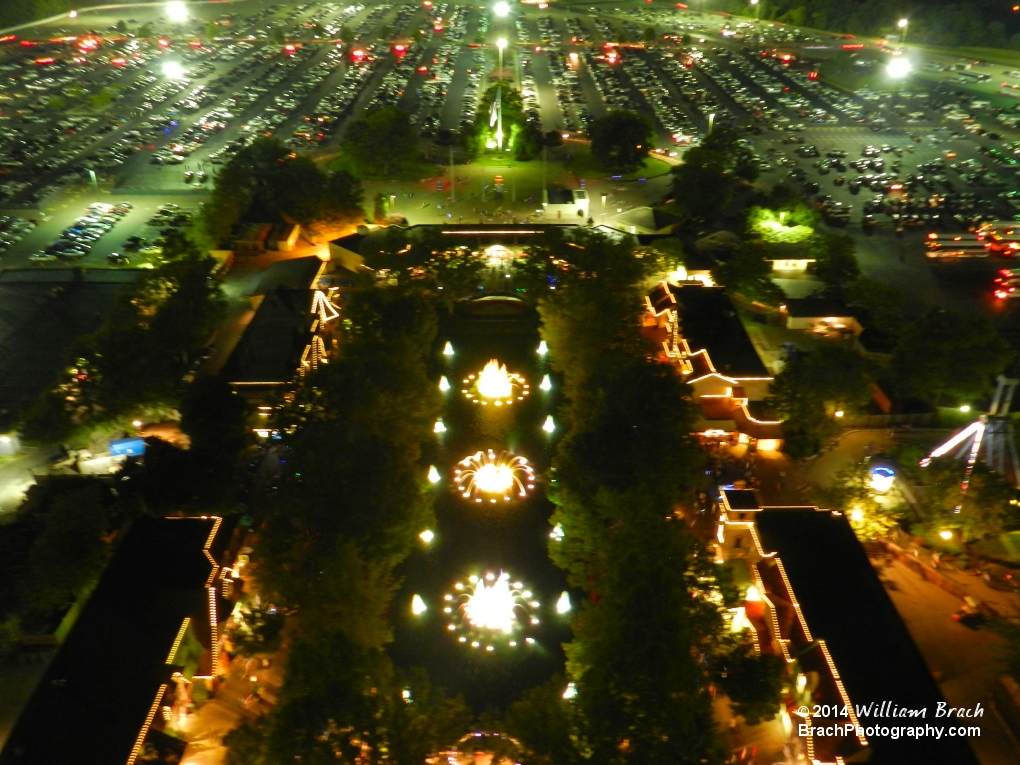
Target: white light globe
point(501, 9)
point(177, 11)
point(898, 67)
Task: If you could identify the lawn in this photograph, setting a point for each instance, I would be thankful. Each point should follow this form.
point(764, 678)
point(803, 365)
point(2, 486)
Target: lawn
point(415, 171)
point(583, 165)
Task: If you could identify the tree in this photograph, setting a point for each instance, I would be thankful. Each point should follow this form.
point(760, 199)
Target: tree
point(344, 200)
point(703, 187)
point(741, 160)
point(620, 140)
point(850, 492)
point(776, 226)
point(544, 723)
point(71, 550)
point(881, 305)
point(835, 262)
point(812, 388)
point(753, 683)
point(748, 270)
point(144, 31)
point(265, 181)
point(382, 143)
point(983, 511)
point(949, 354)
point(380, 204)
point(246, 743)
point(278, 35)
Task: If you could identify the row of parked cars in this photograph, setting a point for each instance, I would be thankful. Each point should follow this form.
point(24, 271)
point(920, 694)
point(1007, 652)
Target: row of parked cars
point(76, 240)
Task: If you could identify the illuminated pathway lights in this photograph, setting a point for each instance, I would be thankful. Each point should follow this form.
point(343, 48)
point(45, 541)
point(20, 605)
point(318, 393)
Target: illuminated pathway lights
point(495, 385)
point(483, 475)
point(489, 610)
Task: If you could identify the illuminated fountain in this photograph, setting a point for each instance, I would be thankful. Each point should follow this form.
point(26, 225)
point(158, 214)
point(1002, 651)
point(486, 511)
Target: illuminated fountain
point(495, 385)
point(489, 610)
point(484, 475)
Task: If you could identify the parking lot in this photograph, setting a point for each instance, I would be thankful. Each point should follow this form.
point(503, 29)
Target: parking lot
point(154, 116)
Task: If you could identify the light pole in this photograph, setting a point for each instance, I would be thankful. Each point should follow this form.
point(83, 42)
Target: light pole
point(757, 8)
point(903, 24)
point(500, 44)
point(711, 122)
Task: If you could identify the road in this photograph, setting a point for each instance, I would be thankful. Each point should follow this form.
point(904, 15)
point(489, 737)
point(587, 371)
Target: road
point(961, 659)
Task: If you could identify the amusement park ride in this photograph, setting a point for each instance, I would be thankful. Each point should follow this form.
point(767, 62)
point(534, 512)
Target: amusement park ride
point(989, 437)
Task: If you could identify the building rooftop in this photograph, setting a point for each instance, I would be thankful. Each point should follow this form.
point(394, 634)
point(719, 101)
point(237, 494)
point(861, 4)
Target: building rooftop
point(293, 273)
point(271, 347)
point(93, 700)
point(709, 321)
point(845, 604)
point(741, 499)
point(808, 307)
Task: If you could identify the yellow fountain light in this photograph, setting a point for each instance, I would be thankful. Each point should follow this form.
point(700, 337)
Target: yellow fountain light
point(495, 385)
point(494, 381)
point(486, 475)
point(489, 610)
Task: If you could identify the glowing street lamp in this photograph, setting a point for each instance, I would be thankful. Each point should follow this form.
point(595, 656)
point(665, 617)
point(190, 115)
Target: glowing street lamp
point(546, 384)
point(563, 604)
point(756, 5)
point(549, 425)
point(542, 348)
point(418, 606)
point(898, 68)
point(173, 70)
point(444, 384)
point(946, 534)
point(177, 11)
point(501, 9)
point(903, 24)
point(448, 349)
point(882, 479)
point(433, 474)
point(427, 536)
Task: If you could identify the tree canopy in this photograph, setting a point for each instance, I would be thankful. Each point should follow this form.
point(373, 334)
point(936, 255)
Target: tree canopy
point(267, 182)
point(948, 354)
point(382, 143)
point(620, 140)
point(812, 388)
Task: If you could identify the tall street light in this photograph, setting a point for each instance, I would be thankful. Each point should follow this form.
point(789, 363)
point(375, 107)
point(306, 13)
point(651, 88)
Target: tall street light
point(177, 11)
point(501, 9)
point(757, 8)
point(500, 45)
point(902, 24)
